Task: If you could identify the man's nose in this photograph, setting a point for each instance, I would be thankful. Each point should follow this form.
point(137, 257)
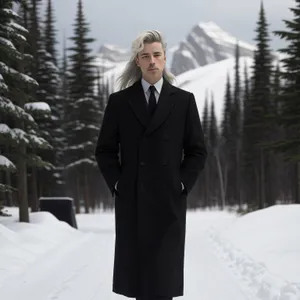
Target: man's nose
point(152, 59)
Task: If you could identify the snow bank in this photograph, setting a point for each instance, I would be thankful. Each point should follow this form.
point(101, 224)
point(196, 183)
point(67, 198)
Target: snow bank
point(24, 243)
point(263, 249)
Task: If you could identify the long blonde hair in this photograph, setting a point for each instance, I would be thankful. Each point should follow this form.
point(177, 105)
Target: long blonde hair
point(132, 72)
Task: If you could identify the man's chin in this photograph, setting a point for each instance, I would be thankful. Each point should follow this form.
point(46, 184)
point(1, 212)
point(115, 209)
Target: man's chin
point(154, 78)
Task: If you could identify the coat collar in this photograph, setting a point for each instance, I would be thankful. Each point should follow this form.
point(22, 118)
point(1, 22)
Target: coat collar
point(138, 104)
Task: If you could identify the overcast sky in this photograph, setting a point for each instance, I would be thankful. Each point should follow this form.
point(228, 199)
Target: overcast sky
point(119, 21)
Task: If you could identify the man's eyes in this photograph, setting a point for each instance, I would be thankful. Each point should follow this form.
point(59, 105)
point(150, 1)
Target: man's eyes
point(147, 56)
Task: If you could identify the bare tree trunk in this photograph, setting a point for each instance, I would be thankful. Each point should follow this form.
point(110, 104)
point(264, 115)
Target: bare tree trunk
point(22, 183)
point(238, 175)
point(207, 190)
point(86, 191)
point(262, 180)
point(72, 191)
point(8, 197)
point(34, 200)
point(257, 181)
point(221, 179)
point(225, 179)
point(297, 198)
point(77, 192)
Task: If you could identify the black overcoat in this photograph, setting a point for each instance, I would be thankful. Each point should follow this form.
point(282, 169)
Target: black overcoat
point(150, 157)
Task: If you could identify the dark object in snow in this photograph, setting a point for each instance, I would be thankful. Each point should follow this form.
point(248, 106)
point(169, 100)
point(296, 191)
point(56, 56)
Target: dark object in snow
point(61, 208)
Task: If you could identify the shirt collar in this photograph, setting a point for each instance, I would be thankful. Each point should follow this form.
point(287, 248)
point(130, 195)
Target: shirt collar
point(158, 85)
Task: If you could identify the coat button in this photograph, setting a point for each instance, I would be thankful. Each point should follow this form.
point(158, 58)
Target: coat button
point(142, 163)
point(165, 163)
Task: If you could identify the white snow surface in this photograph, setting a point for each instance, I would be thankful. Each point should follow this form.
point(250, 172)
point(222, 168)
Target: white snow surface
point(228, 257)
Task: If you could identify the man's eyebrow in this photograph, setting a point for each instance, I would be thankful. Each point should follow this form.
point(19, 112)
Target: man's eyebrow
point(147, 53)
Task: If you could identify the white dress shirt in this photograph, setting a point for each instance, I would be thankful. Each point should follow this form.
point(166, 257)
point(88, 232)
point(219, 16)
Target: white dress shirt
point(158, 86)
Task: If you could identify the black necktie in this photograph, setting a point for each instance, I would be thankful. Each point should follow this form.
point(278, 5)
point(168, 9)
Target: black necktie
point(152, 100)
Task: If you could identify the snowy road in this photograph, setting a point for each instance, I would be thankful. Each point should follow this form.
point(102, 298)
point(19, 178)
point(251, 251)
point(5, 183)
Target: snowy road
point(82, 268)
point(207, 277)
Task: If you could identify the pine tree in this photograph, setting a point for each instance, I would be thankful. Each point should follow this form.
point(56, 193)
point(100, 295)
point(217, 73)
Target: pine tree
point(226, 112)
point(235, 130)
point(85, 113)
point(205, 118)
point(18, 123)
point(55, 101)
point(42, 70)
point(275, 184)
point(247, 147)
point(63, 91)
point(226, 136)
point(290, 104)
point(50, 33)
point(6, 166)
point(213, 128)
point(247, 88)
point(214, 157)
point(256, 121)
point(204, 177)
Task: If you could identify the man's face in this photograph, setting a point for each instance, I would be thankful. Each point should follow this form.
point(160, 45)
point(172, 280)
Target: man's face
point(152, 62)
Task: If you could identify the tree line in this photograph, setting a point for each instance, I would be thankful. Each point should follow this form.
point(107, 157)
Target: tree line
point(254, 157)
point(51, 109)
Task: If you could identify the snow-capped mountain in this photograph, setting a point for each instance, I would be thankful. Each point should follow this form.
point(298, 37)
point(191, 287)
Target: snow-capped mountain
point(210, 80)
point(110, 56)
point(205, 44)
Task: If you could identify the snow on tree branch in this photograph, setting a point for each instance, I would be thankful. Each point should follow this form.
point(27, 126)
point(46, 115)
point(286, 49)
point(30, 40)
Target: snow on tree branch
point(6, 189)
point(38, 142)
point(10, 13)
point(17, 112)
point(24, 115)
point(22, 77)
point(29, 139)
point(9, 32)
point(18, 27)
point(37, 106)
point(3, 86)
point(37, 161)
point(4, 129)
point(81, 162)
point(6, 164)
point(81, 146)
point(7, 43)
point(84, 126)
point(19, 135)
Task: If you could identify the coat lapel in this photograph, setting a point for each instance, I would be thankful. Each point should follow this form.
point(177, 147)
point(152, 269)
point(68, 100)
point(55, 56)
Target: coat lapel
point(138, 103)
point(164, 106)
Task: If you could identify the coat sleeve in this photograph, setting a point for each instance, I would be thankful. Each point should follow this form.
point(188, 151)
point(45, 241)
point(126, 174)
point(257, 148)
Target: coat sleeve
point(107, 148)
point(195, 151)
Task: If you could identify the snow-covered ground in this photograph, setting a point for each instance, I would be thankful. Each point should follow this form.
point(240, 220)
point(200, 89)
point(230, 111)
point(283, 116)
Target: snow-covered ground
point(256, 256)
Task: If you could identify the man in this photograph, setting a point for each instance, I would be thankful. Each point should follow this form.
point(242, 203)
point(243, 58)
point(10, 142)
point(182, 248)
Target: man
point(153, 125)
